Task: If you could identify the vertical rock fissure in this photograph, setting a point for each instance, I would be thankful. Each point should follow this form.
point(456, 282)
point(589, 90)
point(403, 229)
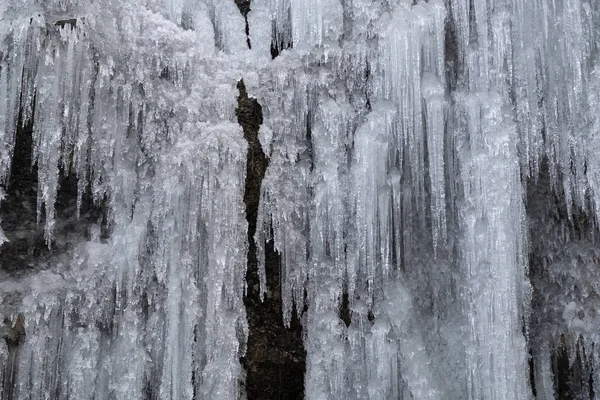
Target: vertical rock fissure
point(244, 6)
point(275, 356)
point(18, 208)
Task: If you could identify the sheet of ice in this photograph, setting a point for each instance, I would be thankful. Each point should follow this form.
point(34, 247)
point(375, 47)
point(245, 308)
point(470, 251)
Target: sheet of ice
point(401, 136)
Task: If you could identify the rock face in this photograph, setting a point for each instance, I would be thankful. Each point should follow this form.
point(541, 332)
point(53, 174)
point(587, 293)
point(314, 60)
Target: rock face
point(20, 221)
point(275, 358)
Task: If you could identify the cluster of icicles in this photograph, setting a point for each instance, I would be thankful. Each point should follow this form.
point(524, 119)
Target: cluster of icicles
point(401, 139)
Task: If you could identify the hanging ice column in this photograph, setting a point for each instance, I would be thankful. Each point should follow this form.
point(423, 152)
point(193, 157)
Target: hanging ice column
point(346, 231)
point(404, 129)
point(202, 236)
point(156, 309)
point(492, 212)
point(411, 74)
point(315, 22)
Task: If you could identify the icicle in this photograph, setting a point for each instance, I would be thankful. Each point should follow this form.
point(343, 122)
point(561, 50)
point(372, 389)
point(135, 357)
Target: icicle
point(12, 70)
point(412, 60)
point(325, 330)
point(325, 342)
point(544, 378)
point(47, 132)
point(226, 329)
point(433, 93)
point(3, 238)
point(315, 22)
point(492, 216)
point(260, 29)
point(284, 205)
point(371, 153)
point(414, 364)
point(229, 27)
point(279, 205)
point(329, 140)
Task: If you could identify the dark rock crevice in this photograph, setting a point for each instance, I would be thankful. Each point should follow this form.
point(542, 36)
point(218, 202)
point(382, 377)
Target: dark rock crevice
point(18, 211)
point(244, 7)
point(275, 357)
point(549, 213)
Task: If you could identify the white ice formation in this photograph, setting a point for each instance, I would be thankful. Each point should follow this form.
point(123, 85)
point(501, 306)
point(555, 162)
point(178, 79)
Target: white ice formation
point(437, 161)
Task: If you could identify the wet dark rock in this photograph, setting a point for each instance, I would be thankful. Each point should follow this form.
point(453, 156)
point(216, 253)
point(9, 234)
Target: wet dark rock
point(244, 6)
point(275, 359)
point(18, 211)
point(72, 22)
point(14, 333)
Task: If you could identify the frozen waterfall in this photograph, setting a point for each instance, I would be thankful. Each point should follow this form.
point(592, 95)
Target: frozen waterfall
point(408, 189)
